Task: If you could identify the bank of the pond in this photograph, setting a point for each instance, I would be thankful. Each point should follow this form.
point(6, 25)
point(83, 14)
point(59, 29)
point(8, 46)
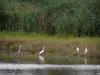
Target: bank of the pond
point(54, 45)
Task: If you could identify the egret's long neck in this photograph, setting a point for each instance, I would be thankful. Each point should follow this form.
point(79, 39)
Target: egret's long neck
point(19, 49)
point(43, 48)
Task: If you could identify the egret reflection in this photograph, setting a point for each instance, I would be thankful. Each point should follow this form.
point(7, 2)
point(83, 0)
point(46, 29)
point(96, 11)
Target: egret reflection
point(41, 59)
point(16, 61)
point(85, 61)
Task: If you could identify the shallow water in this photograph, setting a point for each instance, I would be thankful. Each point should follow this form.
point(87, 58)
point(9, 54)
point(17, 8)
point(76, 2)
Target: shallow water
point(52, 66)
point(48, 69)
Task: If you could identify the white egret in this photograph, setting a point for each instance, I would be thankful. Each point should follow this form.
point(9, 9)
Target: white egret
point(42, 51)
point(85, 52)
point(77, 51)
point(18, 52)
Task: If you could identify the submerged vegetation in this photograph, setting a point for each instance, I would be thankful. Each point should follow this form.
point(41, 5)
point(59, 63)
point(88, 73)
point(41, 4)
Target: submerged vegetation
point(67, 17)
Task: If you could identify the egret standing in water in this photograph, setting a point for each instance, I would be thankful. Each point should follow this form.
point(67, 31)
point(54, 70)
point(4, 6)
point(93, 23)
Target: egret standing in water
point(77, 51)
point(41, 58)
point(41, 52)
point(18, 52)
point(85, 52)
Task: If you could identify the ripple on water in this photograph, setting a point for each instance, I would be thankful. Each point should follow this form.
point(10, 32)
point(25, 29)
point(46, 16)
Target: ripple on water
point(47, 66)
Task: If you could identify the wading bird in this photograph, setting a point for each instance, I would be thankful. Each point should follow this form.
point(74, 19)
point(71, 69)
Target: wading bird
point(85, 52)
point(77, 51)
point(42, 51)
point(18, 52)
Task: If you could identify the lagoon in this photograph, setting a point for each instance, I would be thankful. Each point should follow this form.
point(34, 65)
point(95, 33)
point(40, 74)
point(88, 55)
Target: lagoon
point(51, 66)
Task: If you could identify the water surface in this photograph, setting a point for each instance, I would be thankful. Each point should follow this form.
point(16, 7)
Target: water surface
point(51, 66)
point(48, 69)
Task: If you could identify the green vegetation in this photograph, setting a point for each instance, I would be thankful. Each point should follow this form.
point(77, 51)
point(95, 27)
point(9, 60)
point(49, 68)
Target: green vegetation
point(52, 17)
point(59, 25)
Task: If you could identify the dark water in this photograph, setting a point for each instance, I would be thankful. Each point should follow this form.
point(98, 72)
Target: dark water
point(52, 66)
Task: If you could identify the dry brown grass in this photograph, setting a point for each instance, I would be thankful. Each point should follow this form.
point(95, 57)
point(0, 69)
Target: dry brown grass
point(54, 45)
point(63, 47)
